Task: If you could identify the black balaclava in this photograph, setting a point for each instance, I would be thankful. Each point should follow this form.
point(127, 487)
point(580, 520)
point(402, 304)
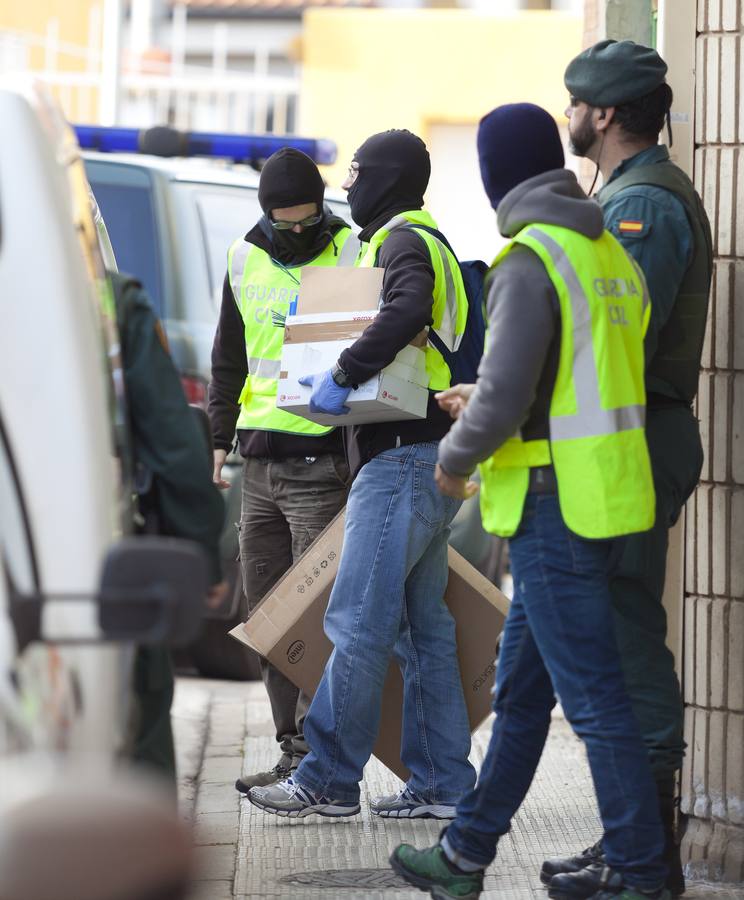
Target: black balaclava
point(394, 169)
point(290, 178)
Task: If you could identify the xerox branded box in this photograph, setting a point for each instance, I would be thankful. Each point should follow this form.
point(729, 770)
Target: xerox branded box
point(335, 305)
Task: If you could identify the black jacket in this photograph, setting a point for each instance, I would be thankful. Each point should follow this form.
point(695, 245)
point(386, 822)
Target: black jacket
point(230, 368)
point(408, 290)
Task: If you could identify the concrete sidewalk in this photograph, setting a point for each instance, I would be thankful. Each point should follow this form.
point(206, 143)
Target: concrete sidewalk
point(223, 728)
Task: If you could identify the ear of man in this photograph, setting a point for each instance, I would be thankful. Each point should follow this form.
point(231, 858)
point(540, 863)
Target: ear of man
point(604, 117)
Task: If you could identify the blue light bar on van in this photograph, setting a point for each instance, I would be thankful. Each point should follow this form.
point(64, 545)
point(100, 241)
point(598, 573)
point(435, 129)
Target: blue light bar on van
point(107, 140)
point(164, 141)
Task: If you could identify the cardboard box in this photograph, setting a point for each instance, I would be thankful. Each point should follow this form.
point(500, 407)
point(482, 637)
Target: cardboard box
point(335, 305)
point(287, 628)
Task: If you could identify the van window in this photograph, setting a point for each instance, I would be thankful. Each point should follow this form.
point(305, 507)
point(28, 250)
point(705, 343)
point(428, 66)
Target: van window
point(225, 214)
point(125, 198)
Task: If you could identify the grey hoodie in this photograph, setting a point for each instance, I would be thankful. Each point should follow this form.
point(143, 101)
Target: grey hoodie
point(517, 374)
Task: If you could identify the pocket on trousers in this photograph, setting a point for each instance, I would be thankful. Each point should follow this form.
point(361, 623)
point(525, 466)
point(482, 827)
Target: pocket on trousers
point(429, 504)
point(338, 469)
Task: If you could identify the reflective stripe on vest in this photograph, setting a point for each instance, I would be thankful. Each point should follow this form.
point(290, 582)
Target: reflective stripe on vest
point(597, 441)
point(590, 418)
point(265, 291)
point(449, 303)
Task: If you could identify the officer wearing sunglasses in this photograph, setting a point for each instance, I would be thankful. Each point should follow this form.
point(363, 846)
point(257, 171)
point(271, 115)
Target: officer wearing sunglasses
point(295, 474)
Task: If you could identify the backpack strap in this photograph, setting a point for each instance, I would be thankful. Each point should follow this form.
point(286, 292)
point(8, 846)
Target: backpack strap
point(435, 232)
point(432, 336)
point(413, 226)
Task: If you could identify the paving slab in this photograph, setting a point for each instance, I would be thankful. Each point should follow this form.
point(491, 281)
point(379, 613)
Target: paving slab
point(220, 769)
point(217, 828)
point(212, 890)
point(248, 853)
point(215, 862)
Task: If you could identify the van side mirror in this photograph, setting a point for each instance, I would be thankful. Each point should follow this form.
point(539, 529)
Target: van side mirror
point(153, 591)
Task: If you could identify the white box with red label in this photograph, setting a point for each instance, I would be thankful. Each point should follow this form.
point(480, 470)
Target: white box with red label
point(335, 306)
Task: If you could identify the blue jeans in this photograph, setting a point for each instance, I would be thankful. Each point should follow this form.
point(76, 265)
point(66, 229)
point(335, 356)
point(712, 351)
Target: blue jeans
point(387, 601)
point(559, 639)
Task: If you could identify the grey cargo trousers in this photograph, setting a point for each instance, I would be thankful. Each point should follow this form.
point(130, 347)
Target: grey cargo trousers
point(286, 503)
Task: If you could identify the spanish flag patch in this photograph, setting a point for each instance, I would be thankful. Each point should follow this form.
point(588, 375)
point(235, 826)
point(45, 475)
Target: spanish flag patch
point(632, 226)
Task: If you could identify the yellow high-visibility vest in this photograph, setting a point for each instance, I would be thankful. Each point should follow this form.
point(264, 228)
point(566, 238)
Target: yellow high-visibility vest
point(449, 303)
point(264, 291)
point(597, 441)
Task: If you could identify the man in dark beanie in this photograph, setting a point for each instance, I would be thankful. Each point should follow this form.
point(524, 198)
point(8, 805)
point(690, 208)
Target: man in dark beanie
point(388, 597)
point(295, 476)
point(556, 423)
point(619, 103)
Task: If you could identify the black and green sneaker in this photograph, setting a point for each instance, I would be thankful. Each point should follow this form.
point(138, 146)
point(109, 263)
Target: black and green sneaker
point(431, 870)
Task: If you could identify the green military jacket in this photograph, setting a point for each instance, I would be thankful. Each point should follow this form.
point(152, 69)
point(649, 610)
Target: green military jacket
point(166, 437)
point(651, 207)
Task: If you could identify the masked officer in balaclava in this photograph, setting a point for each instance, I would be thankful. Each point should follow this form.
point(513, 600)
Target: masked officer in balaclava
point(295, 476)
point(388, 594)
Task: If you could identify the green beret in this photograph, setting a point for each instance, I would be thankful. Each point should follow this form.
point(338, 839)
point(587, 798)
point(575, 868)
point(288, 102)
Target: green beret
point(614, 72)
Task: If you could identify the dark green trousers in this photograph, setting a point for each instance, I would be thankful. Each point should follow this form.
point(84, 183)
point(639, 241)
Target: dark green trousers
point(637, 585)
point(152, 743)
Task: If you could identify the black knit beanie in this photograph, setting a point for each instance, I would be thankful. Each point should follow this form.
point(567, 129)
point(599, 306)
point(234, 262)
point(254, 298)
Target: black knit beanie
point(289, 178)
point(515, 142)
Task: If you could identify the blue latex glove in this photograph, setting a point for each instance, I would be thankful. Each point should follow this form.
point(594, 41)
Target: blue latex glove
point(327, 396)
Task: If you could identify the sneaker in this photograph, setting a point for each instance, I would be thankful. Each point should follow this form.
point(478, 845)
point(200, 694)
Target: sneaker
point(430, 870)
point(410, 805)
point(288, 798)
point(598, 882)
point(261, 779)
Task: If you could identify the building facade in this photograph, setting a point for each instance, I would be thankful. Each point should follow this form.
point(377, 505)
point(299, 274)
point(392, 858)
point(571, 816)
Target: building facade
point(713, 670)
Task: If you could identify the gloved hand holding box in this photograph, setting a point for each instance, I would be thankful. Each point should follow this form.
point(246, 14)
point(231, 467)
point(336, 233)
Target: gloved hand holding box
point(335, 306)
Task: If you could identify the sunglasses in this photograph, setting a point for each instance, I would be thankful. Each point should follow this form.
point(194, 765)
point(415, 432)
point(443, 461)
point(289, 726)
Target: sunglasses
point(282, 225)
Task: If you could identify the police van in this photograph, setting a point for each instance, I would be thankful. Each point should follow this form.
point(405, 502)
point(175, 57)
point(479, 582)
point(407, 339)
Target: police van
point(77, 589)
point(172, 204)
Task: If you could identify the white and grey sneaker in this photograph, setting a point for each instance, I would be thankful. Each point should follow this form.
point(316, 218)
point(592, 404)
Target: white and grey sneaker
point(410, 805)
point(288, 798)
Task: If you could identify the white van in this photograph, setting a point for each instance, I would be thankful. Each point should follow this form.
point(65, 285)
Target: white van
point(76, 589)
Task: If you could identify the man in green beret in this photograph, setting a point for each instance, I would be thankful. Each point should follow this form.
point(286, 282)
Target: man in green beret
point(619, 102)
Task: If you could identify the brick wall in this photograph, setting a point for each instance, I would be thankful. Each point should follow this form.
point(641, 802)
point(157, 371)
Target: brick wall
point(713, 670)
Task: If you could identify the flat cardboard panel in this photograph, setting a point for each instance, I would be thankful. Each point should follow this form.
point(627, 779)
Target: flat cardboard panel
point(287, 628)
point(339, 289)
